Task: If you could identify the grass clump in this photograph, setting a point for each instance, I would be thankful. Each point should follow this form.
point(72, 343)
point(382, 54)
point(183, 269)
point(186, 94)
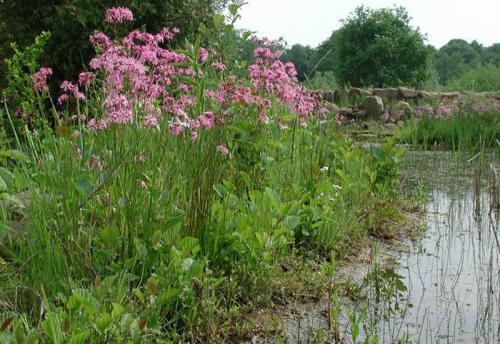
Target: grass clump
point(461, 131)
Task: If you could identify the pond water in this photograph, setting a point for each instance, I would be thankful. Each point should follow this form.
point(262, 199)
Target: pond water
point(442, 288)
point(453, 273)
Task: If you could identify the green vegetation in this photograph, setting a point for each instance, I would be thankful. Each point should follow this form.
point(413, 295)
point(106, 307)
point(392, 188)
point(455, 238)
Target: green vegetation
point(159, 199)
point(480, 79)
point(379, 48)
point(72, 22)
point(461, 131)
point(397, 57)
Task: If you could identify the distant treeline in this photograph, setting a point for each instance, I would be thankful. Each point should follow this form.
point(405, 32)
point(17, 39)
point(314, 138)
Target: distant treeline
point(457, 65)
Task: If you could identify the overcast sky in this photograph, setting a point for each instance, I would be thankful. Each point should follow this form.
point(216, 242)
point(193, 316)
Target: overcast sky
point(309, 22)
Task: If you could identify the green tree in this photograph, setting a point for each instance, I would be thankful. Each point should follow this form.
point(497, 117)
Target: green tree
point(456, 58)
point(380, 48)
point(72, 21)
point(323, 60)
point(303, 58)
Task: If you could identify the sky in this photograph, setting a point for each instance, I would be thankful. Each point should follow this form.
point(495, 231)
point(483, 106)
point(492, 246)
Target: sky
point(310, 22)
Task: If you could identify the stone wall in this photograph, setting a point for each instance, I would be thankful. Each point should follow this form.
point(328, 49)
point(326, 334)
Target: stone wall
point(395, 105)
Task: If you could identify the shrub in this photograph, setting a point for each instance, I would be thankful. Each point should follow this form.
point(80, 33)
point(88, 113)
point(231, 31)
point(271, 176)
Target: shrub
point(480, 79)
point(72, 22)
point(379, 48)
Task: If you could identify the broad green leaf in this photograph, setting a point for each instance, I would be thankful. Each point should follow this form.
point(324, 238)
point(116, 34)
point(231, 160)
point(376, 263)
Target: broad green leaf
point(103, 322)
point(291, 222)
point(79, 338)
point(84, 186)
point(233, 9)
point(3, 185)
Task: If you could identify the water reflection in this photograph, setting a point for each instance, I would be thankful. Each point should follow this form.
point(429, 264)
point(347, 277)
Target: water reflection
point(453, 275)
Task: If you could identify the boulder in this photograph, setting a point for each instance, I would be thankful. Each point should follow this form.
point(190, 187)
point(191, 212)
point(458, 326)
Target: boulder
point(407, 93)
point(391, 126)
point(373, 106)
point(340, 95)
point(358, 92)
point(359, 114)
point(404, 108)
point(397, 115)
point(427, 95)
point(329, 96)
point(386, 92)
point(384, 117)
point(331, 107)
point(449, 95)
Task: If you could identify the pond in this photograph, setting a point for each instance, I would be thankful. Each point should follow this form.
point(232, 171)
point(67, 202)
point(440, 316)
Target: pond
point(444, 287)
point(453, 274)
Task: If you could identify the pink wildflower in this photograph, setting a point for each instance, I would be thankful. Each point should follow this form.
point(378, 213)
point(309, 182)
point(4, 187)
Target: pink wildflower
point(119, 109)
point(95, 163)
point(119, 15)
point(203, 55)
point(222, 149)
point(207, 121)
point(62, 98)
point(97, 125)
point(219, 66)
point(86, 79)
point(40, 79)
point(175, 128)
point(138, 159)
point(151, 121)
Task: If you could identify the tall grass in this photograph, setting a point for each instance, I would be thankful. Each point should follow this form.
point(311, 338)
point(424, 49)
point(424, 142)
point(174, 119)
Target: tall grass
point(461, 131)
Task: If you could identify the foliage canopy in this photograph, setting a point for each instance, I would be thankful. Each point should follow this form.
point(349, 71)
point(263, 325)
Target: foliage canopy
point(380, 48)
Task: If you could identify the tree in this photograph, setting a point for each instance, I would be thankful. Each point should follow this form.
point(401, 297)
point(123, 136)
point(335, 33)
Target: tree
point(302, 57)
point(380, 48)
point(72, 21)
point(323, 60)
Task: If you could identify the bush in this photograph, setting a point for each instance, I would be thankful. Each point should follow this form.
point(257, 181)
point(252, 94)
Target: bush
point(323, 81)
point(480, 79)
point(72, 22)
point(379, 48)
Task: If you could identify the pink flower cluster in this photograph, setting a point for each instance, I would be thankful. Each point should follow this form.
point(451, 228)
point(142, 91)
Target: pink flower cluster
point(269, 75)
point(40, 79)
point(69, 88)
point(119, 15)
point(145, 83)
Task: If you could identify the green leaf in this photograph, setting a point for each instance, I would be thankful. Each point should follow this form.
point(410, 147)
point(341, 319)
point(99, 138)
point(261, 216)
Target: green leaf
point(245, 35)
point(3, 184)
point(52, 328)
point(8, 177)
point(110, 237)
point(117, 311)
point(233, 9)
point(84, 186)
point(79, 338)
point(14, 154)
point(291, 222)
point(4, 229)
point(218, 20)
point(103, 322)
